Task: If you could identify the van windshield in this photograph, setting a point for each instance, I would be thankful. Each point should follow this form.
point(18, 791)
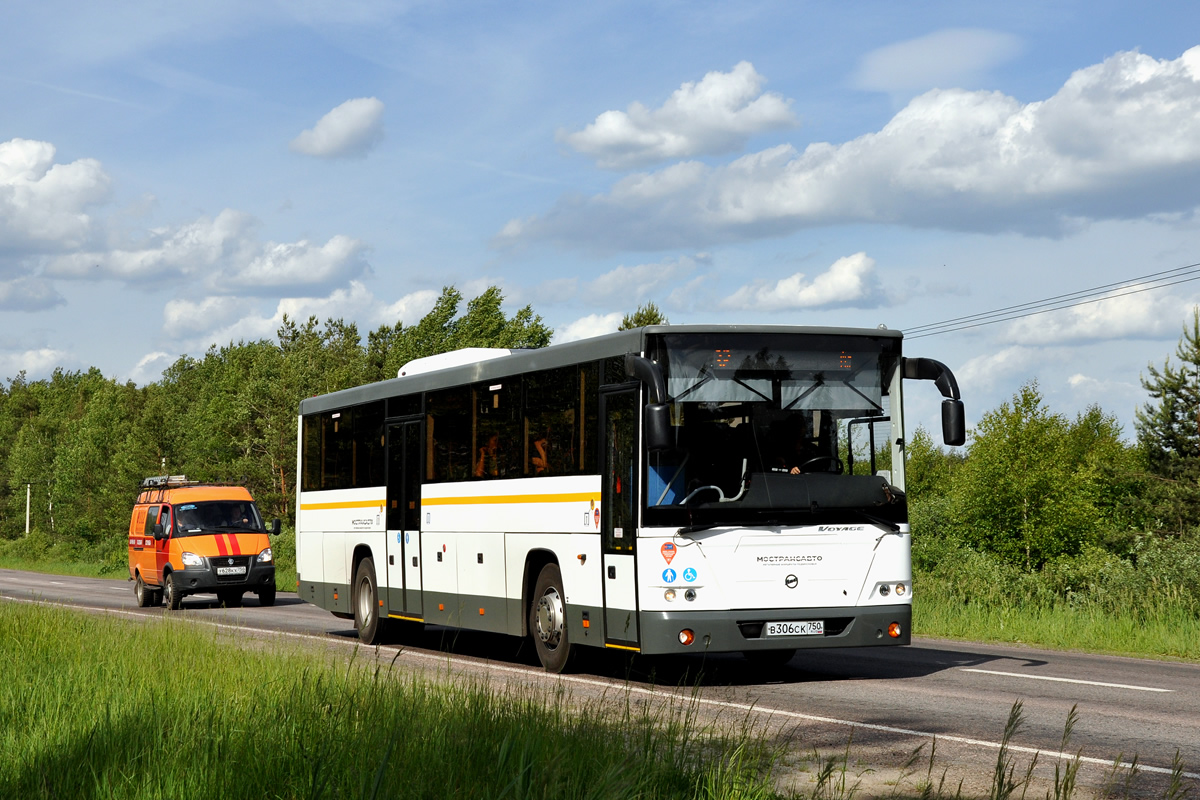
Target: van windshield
point(217, 516)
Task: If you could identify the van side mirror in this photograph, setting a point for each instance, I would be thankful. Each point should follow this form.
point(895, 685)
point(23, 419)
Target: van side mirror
point(954, 424)
point(656, 426)
point(275, 526)
point(159, 533)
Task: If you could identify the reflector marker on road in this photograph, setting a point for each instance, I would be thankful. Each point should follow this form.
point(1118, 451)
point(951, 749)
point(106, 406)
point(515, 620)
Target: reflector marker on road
point(1067, 680)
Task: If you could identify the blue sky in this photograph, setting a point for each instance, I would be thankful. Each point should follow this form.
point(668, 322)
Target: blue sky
point(178, 174)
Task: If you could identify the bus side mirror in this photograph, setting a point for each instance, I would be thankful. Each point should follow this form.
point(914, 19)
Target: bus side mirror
point(954, 424)
point(275, 526)
point(656, 425)
point(159, 533)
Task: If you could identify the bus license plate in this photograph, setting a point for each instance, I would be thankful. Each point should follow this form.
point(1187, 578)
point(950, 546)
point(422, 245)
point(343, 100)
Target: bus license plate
point(231, 570)
point(806, 628)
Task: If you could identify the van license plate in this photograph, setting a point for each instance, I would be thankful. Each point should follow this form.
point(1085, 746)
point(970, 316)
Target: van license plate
point(806, 628)
point(231, 570)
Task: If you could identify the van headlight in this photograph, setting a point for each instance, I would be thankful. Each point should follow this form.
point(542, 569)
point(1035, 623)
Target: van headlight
point(192, 560)
point(266, 557)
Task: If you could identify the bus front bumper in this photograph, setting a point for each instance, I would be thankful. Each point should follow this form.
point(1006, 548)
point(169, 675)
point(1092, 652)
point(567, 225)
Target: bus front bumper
point(743, 630)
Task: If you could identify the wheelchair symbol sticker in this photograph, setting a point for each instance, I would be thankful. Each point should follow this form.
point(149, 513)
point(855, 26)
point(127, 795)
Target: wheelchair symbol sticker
point(689, 574)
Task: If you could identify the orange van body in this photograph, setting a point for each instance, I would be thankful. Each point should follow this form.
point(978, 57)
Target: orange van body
point(190, 538)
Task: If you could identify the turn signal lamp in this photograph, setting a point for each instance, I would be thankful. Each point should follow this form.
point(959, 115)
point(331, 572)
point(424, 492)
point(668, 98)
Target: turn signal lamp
point(687, 636)
point(669, 594)
point(901, 590)
point(894, 630)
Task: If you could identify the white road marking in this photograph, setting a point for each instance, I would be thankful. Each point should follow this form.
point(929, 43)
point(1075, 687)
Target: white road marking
point(1067, 680)
point(748, 708)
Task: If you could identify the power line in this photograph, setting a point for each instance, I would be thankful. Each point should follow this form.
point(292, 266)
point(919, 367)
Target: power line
point(1097, 294)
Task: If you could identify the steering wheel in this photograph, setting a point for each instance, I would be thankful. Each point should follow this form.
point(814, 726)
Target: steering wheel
point(834, 464)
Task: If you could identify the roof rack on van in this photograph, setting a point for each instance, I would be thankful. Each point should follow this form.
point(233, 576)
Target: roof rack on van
point(167, 482)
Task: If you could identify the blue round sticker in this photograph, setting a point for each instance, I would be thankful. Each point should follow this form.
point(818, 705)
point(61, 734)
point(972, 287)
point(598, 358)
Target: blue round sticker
point(689, 574)
point(406, 538)
point(668, 576)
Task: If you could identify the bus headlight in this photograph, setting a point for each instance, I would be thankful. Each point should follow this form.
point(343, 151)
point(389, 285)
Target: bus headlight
point(689, 595)
point(884, 590)
point(191, 560)
point(266, 557)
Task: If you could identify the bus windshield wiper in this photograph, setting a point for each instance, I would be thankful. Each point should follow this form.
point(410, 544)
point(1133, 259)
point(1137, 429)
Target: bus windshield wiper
point(883, 523)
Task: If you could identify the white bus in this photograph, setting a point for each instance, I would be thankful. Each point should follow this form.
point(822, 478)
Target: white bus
point(668, 489)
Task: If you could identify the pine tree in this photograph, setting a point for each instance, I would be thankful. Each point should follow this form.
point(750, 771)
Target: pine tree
point(1168, 429)
point(646, 314)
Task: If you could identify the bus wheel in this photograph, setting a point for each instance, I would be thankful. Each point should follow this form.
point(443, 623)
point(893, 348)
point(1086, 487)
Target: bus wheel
point(548, 621)
point(145, 597)
point(170, 595)
point(266, 596)
point(366, 603)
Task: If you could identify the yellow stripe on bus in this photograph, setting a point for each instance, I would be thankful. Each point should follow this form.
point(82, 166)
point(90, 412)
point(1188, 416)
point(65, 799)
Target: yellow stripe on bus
point(511, 498)
point(355, 504)
point(623, 647)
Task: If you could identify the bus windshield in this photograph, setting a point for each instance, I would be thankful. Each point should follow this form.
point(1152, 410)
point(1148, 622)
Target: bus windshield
point(770, 427)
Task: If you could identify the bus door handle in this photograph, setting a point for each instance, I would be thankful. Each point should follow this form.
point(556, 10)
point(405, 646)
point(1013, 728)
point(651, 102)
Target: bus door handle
point(612, 571)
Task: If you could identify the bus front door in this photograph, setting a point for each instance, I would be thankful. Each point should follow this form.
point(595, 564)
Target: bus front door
point(403, 520)
point(618, 517)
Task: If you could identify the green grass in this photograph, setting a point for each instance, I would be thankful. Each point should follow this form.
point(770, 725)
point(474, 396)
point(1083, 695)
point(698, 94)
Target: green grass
point(104, 708)
point(1172, 633)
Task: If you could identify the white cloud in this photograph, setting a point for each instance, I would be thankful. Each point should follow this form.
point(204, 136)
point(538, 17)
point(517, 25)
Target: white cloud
point(225, 252)
point(716, 115)
point(300, 263)
point(634, 284)
point(952, 57)
point(1146, 315)
point(35, 363)
point(1119, 140)
point(28, 294)
point(408, 309)
point(42, 204)
point(150, 367)
point(589, 326)
point(350, 130)
point(985, 372)
point(849, 282)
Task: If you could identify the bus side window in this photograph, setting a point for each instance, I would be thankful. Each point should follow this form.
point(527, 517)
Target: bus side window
point(450, 423)
point(552, 400)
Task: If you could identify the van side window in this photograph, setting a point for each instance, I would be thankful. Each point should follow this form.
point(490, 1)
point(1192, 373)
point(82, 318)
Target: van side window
point(151, 518)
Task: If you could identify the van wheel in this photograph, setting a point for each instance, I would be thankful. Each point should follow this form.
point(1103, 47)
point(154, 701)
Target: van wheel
point(171, 595)
point(141, 593)
point(230, 598)
point(548, 621)
point(366, 604)
point(266, 596)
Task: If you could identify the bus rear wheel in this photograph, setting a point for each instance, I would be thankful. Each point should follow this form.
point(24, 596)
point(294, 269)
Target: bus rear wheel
point(366, 604)
point(548, 621)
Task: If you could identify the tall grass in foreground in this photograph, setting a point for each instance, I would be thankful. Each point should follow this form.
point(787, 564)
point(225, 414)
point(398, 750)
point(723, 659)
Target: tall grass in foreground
point(93, 707)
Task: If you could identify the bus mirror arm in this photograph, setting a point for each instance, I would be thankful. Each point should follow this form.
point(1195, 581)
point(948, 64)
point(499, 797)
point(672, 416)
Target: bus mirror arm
point(656, 416)
point(954, 426)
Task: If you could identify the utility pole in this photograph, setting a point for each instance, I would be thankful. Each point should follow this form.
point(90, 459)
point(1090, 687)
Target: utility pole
point(28, 488)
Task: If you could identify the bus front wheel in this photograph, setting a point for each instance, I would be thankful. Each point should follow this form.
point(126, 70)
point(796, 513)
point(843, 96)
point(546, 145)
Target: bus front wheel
point(548, 621)
point(366, 603)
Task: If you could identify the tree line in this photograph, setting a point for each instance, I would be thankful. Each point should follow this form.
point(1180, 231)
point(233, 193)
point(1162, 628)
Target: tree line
point(1031, 486)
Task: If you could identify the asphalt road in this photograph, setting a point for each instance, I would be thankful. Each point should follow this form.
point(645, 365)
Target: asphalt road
point(890, 701)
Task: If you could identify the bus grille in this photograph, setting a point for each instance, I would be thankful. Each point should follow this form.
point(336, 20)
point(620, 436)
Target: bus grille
point(834, 626)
